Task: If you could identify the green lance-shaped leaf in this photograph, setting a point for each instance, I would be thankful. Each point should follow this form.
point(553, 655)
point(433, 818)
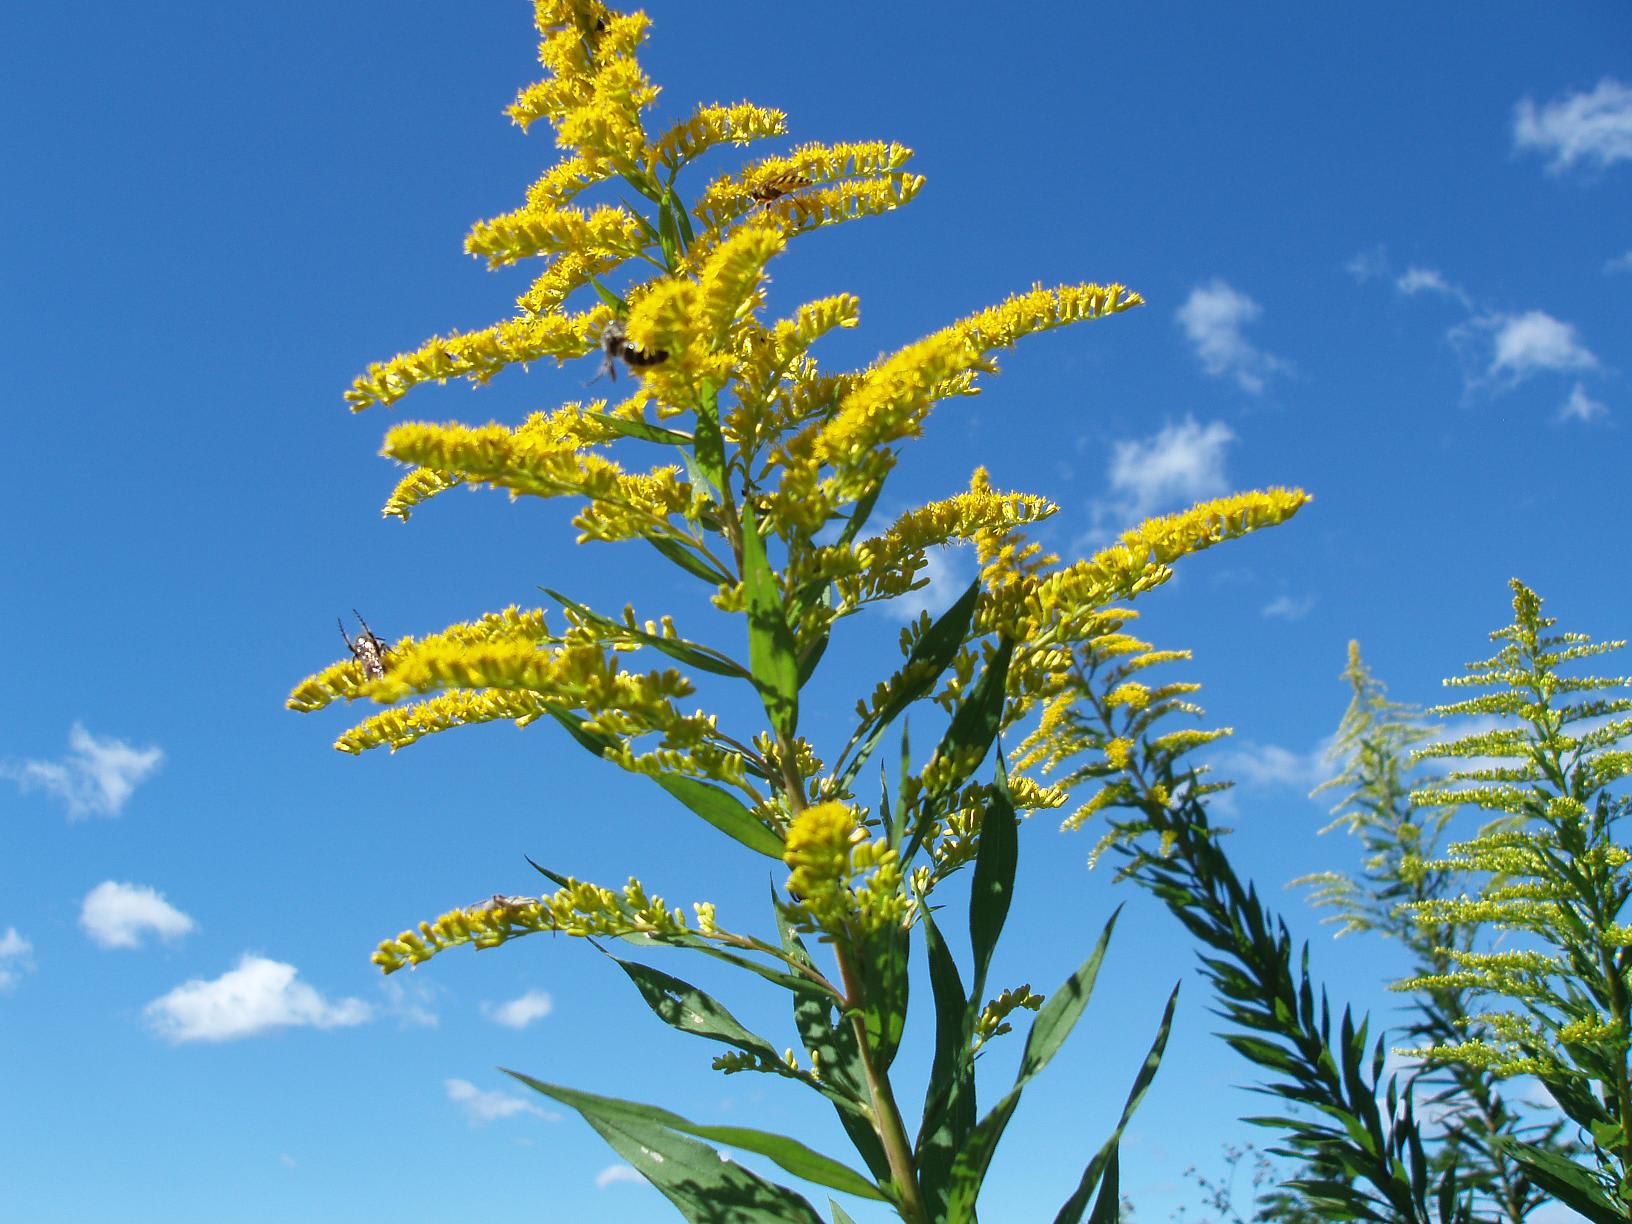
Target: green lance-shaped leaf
point(770, 642)
point(672, 201)
point(618, 306)
point(993, 886)
point(695, 565)
point(789, 1154)
point(840, 1215)
point(683, 1006)
point(641, 429)
point(1568, 1182)
point(968, 739)
point(703, 658)
point(709, 451)
point(1054, 1022)
point(720, 808)
point(949, 1103)
point(696, 1178)
point(931, 655)
point(668, 235)
point(885, 977)
point(1104, 1163)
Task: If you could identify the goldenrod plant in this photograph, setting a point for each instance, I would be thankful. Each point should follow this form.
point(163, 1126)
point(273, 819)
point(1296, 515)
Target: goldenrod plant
point(1554, 1000)
point(738, 459)
point(1361, 1150)
point(1470, 1112)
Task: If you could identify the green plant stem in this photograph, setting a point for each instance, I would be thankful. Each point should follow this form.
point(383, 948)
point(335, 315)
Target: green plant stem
point(892, 1132)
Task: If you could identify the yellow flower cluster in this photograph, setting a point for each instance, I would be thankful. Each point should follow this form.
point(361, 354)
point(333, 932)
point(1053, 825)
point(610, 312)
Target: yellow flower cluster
point(827, 851)
point(578, 908)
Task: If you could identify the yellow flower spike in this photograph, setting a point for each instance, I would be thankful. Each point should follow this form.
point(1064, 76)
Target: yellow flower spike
point(826, 850)
point(712, 125)
point(416, 488)
point(1132, 694)
point(731, 277)
point(611, 229)
point(479, 355)
point(569, 272)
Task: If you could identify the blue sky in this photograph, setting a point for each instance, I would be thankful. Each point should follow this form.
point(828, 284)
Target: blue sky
point(1387, 255)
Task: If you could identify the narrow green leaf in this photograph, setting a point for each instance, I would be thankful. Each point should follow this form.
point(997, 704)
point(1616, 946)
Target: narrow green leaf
point(840, 1215)
point(724, 811)
point(668, 235)
point(1054, 1022)
point(618, 305)
point(1570, 1183)
point(885, 979)
point(949, 1103)
point(993, 886)
point(719, 808)
point(1108, 1206)
point(682, 221)
point(931, 655)
point(709, 450)
point(641, 429)
point(791, 1155)
point(1106, 1159)
point(687, 560)
point(703, 658)
point(860, 513)
point(770, 642)
point(685, 1007)
point(696, 1178)
point(969, 737)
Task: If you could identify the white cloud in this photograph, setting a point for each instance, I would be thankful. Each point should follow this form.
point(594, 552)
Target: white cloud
point(410, 1002)
point(1621, 263)
point(1415, 280)
point(1213, 317)
point(117, 915)
point(1178, 465)
point(94, 779)
point(16, 958)
point(1535, 341)
point(1253, 764)
point(520, 1012)
point(1581, 407)
point(1289, 608)
point(287, 1160)
point(613, 1174)
point(256, 997)
point(1368, 265)
point(1502, 350)
point(481, 1106)
point(1593, 127)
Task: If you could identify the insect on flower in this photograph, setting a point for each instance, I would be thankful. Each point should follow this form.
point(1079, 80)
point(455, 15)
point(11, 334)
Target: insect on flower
point(778, 187)
point(615, 344)
point(368, 648)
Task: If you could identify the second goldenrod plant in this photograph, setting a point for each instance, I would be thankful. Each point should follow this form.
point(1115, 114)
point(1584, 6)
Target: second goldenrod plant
point(768, 470)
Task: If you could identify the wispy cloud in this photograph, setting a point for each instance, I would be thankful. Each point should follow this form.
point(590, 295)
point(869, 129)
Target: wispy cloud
point(613, 1174)
point(1414, 281)
point(1214, 317)
point(1593, 127)
point(481, 1106)
point(1368, 265)
point(409, 1003)
point(1581, 407)
point(518, 1013)
point(117, 915)
point(16, 959)
point(1621, 263)
point(1500, 351)
point(1270, 765)
point(1176, 465)
point(1287, 607)
point(96, 778)
point(256, 997)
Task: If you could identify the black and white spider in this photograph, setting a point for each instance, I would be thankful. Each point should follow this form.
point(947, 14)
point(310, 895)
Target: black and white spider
point(368, 648)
